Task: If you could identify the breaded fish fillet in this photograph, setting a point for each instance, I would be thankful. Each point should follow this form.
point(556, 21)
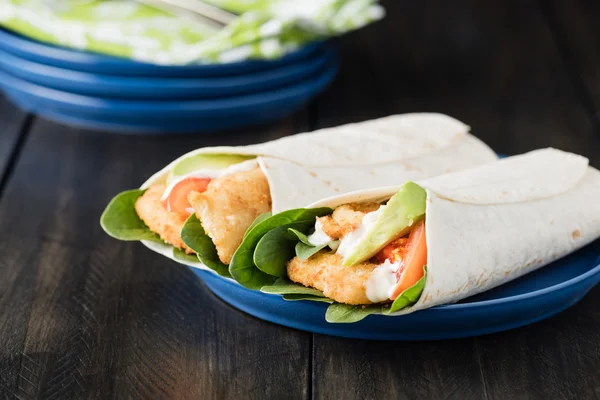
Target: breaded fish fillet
point(346, 218)
point(167, 224)
point(229, 206)
point(324, 271)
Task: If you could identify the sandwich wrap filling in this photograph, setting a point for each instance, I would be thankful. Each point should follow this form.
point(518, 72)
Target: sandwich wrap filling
point(491, 224)
point(304, 168)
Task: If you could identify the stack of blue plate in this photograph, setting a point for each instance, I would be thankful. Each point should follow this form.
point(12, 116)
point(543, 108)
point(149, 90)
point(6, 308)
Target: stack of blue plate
point(116, 94)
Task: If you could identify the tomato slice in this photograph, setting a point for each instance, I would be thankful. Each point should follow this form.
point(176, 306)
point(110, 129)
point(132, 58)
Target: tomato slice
point(414, 260)
point(178, 198)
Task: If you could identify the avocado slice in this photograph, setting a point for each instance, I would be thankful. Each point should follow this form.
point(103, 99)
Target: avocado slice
point(401, 211)
point(205, 161)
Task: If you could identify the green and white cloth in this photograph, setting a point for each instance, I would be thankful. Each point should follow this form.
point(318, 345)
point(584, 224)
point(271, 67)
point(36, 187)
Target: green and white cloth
point(264, 29)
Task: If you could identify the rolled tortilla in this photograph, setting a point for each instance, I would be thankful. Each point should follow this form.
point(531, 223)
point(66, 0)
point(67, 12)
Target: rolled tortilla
point(491, 224)
point(304, 168)
point(379, 141)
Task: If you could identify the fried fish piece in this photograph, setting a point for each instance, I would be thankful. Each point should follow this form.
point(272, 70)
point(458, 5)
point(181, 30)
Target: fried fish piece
point(167, 224)
point(229, 206)
point(346, 218)
point(324, 271)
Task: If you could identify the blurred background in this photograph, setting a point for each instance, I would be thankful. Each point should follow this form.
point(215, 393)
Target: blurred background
point(516, 72)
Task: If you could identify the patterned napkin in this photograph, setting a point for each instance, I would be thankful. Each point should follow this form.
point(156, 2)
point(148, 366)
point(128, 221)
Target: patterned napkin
point(264, 29)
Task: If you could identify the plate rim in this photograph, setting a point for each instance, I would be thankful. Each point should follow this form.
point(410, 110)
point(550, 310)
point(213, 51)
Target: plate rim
point(322, 58)
point(321, 78)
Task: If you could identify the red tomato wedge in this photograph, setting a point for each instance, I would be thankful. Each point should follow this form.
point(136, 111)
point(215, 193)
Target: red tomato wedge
point(414, 260)
point(178, 198)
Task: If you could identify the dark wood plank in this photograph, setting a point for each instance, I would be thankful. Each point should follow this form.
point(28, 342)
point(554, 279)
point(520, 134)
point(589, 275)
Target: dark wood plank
point(12, 124)
point(497, 67)
point(12, 130)
point(85, 316)
point(554, 359)
point(360, 369)
point(575, 25)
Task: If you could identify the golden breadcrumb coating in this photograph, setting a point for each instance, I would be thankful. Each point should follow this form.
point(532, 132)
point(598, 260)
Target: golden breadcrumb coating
point(346, 218)
point(324, 271)
point(167, 224)
point(229, 206)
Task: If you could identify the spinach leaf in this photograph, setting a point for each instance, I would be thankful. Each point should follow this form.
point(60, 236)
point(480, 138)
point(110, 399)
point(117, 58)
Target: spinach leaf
point(301, 236)
point(296, 297)
point(182, 256)
point(276, 248)
point(304, 252)
point(294, 291)
point(410, 296)
point(121, 221)
point(194, 236)
point(258, 220)
point(304, 249)
point(242, 266)
point(347, 313)
point(285, 286)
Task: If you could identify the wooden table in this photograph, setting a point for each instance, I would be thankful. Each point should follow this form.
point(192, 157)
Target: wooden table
point(85, 316)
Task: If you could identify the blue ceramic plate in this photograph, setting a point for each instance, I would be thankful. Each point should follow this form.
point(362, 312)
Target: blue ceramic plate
point(113, 86)
point(97, 63)
point(528, 299)
point(165, 116)
point(203, 126)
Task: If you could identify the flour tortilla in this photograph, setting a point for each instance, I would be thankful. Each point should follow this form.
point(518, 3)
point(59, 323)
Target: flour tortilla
point(379, 141)
point(307, 167)
point(293, 185)
point(494, 223)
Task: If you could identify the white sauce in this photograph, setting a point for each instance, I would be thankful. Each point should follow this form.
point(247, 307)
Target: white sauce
point(319, 238)
point(353, 238)
point(212, 173)
point(382, 281)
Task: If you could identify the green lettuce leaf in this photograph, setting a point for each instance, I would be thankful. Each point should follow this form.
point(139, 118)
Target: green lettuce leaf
point(304, 249)
point(301, 236)
point(347, 313)
point(292, 291)
point(297, 297)
point(182, 256)
point(304, 252)
point(242, 266)
point(121, 221)
point(194, 236)
point(285, 286)
point(410, 296)
point(258, 220)
point(276, 248)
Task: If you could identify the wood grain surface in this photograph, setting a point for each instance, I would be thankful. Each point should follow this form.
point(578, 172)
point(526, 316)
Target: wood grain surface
point(14, 125)
point(83, 316)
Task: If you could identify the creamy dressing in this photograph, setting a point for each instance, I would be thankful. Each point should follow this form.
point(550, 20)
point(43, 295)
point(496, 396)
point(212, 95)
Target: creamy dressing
point(334, 245)
point(353, 238)
point(382, 281)
point(212, 173)
point(319, 237)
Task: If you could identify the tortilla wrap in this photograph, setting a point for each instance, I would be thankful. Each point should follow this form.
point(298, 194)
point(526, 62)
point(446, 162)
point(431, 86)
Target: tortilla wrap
point(307, 167)
point(491, 224)
point(379, 141)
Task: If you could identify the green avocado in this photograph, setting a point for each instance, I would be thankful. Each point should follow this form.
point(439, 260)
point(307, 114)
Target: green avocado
point(401, 211)
point(195, 162)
